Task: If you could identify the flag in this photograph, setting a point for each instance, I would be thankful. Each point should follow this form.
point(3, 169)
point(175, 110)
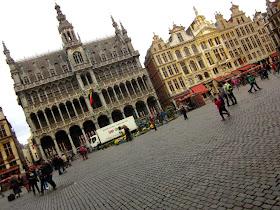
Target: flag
point(90, 99)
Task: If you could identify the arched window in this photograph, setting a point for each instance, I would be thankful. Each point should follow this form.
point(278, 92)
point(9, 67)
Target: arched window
point(199, 77)
point(187, 51)
point(78, 58)
point(179, 35)
point(206, 75)
point(193, 66)
point(200, 62)
point(178, 54)
point(194, 49)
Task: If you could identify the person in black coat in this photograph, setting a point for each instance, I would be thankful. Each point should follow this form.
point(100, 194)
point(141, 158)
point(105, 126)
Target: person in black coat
point(46, 170)
point(14, 184)
point(33, 179)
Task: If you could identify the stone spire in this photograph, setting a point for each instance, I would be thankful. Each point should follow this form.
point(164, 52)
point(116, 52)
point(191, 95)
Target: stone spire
point(195, 11)
point(115, 25)
point(124, 31)
point(6, 52)
point(63, 23)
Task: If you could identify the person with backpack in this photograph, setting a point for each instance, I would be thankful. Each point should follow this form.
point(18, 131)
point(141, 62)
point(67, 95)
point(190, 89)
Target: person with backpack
point(46, 170)
point(229, 90)
point(32, 177)
point(252, 82)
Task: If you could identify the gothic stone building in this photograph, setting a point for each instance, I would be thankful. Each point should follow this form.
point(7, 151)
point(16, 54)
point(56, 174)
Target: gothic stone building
point(54, 89)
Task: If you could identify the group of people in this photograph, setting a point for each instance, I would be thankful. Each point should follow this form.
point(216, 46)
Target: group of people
point(42, 173)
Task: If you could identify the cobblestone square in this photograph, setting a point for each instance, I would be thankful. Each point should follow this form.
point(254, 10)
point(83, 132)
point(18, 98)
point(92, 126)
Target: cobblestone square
point(199, 163)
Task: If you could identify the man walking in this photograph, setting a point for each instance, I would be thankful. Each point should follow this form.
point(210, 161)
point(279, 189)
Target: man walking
point(252, 82)
point(46, 170)
point(184, 112)
point(229, 90)
point(223, 93)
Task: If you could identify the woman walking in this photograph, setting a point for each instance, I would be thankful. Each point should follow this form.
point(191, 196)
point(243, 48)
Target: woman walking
point(221, 107)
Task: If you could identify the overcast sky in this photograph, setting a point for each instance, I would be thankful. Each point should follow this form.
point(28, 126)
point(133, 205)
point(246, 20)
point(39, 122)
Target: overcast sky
point(29, 27)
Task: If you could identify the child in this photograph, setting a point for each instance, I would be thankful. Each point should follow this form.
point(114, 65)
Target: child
point(221, 107)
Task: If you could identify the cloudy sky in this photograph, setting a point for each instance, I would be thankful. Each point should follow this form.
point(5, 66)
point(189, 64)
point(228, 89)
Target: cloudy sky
point(29, 28)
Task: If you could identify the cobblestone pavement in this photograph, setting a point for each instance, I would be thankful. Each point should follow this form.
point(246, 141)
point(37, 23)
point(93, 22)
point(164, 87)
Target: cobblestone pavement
point(200, 163)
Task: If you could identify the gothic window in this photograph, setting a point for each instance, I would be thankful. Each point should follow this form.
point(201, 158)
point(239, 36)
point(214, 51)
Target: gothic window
point(200, 62)
point(83, 78)
point(179, 35)
point(26, 80)
point(217, 40)
point(124, 50)
point(187, 51)
point(210, 42)
point(171, 86)
point(2, 132)
point(206, 75)
point(8, 149)
point(159, 59)
point(55, 90)
point(124, 67)
point(65, 68)
point(175, 68)
point(178, 54)
point(103, 57)
point(135, 66)
point(176, 84)
point(78, 58)
point(39, 76)
point(113, 72)
point(203, 45)
point(28, 99)
point(193, 66)
point(194, 48)
point(164, 72)
point(69, 87)
point(53, 72)
point(159, 47)
point(62, 88)
point(164, 58)
point(184, 68)
point(181, 82)
point(35, 97)
point(209, 58)
point(170, 55)
point(69, 36)
point(130, 67)
point(114, 54)
point(107, 73)
point(215, 70)
point(42, 95)
point(170, 70)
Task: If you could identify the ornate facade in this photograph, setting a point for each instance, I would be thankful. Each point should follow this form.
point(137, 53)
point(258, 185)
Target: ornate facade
point(272, 19)
point(191, 59)
point(54, 89)
point(11, 156)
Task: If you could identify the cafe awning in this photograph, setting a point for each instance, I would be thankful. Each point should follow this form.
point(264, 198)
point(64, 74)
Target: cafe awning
point(274, 55)
point(199, 89)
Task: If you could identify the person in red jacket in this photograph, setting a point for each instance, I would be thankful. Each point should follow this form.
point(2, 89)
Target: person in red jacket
point(222, 109)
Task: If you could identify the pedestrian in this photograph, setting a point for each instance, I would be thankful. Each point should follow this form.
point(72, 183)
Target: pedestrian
point(183, 112)
point(229, 91)
point(221, 107)
point(153, 122)
point(25, 181)
point(84, 153)
point(235, 82)
point(14, 184)
point(164, 116)
point(127, 133)
point(265, 73)
point(33, 179)
point(252, 82)
point(223, 93)
point(1, 191)
point(46, 170)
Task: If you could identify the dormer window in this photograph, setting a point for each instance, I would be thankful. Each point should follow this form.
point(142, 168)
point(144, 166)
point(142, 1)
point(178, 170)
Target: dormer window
point(53, 72)
point(103, 57)
point(25, 80)
point(159, 47)
point(114, 54)
point(179, 35)
point(39, 76)
point(78, 58)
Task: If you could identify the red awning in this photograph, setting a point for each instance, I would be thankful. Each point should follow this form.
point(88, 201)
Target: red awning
point(199, 89)
point(246, 67)
point(274, 55)
point(184, 94)
point(186, 97)
point(9, 170)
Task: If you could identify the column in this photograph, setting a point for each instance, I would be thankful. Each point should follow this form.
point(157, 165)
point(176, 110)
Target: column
point(123, 115)
point(132, 88)
point(80, 105)
point(53, 116)
point(110, 120)
point(42, 152)
point(74, 109)
point(147, 107)
point(115, 94)
point(102, 99)
point(87, 141)
point(138, 86)
point(150, 83)
point(67, 111)
point(46, 119)
point(109, 96)
point(159, 105)
point(127, 91)
point(72, 144)
point(39, 121)
point(30, 122)
point(57, 147)
point(61, 115)
point(121, 92)
point(145, 85)
point(93, 77)
point(135, 111)
point(96, 125)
